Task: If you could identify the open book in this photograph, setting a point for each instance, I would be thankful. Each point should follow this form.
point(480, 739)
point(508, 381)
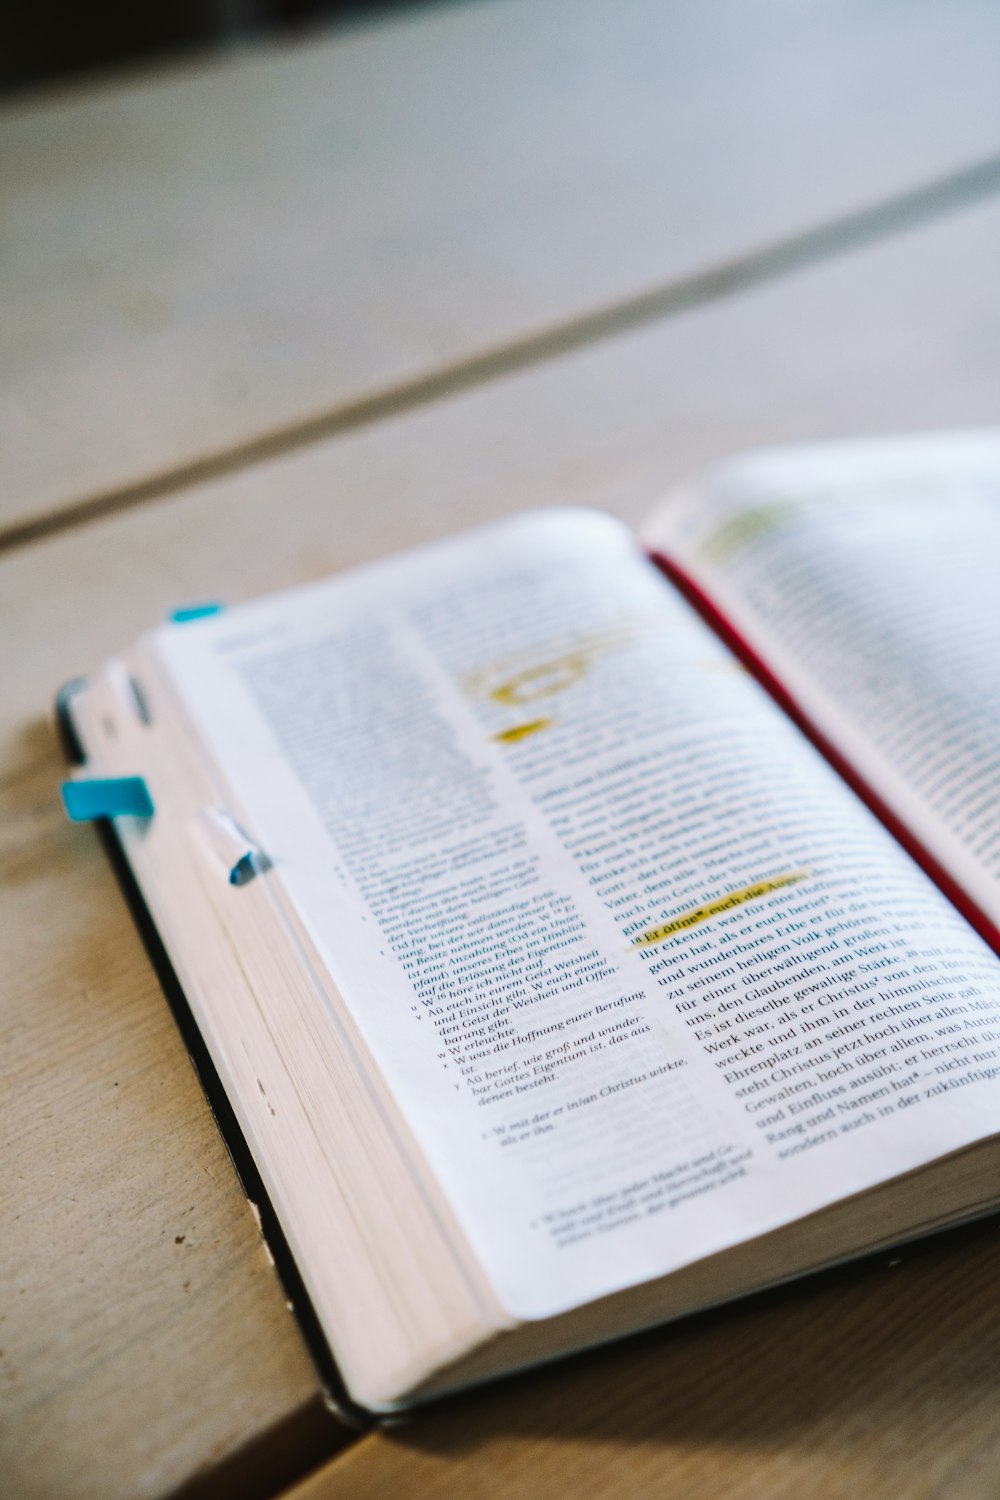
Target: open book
point(558, 982)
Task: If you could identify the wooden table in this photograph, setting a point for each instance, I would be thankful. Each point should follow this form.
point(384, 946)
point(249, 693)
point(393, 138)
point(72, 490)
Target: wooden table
point(265, 316)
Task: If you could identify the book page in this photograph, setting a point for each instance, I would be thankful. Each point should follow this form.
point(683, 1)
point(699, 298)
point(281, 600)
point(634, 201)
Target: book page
point(645, 977)
point(867, 576)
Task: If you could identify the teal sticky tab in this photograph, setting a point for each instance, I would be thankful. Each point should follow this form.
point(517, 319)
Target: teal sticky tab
point(194, 612)
point(248, 866)
point(243, 870)
point(106, 797)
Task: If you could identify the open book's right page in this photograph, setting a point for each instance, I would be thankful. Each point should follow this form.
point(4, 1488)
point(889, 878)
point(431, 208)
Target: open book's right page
point(865, 577)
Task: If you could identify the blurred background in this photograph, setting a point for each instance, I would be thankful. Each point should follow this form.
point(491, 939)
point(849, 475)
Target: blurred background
point(51, 39)
point(288, 284)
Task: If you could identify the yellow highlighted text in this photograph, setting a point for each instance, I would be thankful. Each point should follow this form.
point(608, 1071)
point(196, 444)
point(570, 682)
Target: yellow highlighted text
point(698, 914)
point(519, 680)
point(521, 731)
point(543, 680)
point(746, 527)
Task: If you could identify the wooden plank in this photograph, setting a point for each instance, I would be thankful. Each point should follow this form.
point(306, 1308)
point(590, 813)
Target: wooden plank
point(901, 336)
point(199, 258)
point(123, 1380)
point(878, 1381)
point(143, 1336)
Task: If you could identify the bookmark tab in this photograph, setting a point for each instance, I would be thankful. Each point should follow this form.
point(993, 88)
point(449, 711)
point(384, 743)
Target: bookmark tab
point(189, 612)
point(241, 856)
point(128, 689)
point(254, 862)
point(106, 797)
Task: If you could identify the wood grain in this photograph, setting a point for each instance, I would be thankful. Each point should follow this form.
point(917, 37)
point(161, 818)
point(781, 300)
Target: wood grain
point(134, 1364)
point(897, 337)
point(144, 1340)
point(199, 259)
point(882, 1380)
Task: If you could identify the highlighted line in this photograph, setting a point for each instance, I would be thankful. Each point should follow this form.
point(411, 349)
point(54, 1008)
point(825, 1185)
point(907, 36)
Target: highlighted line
point(699, 914)
point(748, 526)
point(521, 731)
point(543, 680)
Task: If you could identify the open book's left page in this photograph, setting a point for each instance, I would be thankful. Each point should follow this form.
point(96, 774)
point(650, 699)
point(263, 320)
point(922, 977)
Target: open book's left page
point(644, 976)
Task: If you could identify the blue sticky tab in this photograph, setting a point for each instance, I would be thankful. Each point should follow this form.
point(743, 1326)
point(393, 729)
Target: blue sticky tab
point(106, 797)
point(251, 864)
point(194, 612)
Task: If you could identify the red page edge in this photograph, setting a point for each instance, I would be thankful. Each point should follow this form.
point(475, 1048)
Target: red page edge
point(745, 653)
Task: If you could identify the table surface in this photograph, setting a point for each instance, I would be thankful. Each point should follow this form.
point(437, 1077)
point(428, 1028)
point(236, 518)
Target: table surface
point(262, 318)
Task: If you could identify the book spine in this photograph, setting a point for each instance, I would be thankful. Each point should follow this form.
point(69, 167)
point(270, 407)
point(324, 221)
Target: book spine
point(903, 835)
